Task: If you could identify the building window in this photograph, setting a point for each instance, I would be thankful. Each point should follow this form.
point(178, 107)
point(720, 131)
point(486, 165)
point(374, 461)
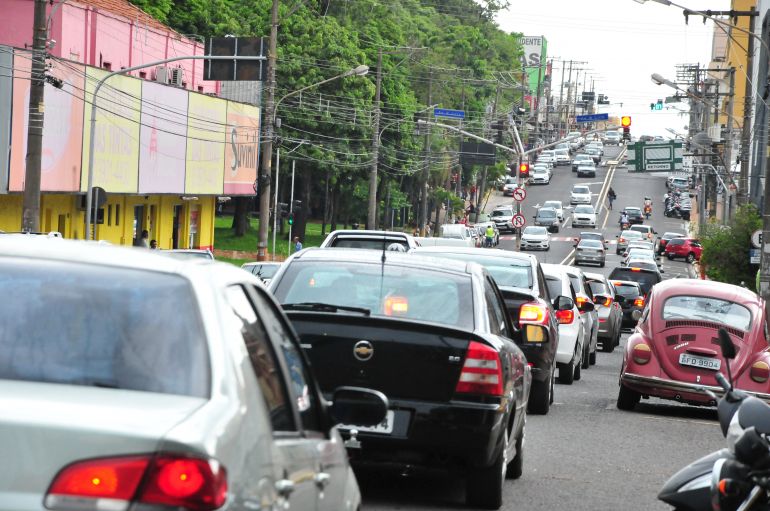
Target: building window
point(107, 66)
point(117, 214)
point(200, 88)
point(143, 75)
point(109, 214)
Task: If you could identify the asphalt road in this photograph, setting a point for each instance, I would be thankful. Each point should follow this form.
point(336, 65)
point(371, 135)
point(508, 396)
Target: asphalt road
point(585, 454)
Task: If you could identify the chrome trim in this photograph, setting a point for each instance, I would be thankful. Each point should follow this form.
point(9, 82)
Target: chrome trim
point(680, 386)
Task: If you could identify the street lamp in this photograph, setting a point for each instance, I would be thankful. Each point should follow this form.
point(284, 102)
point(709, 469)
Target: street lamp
point(361, 70)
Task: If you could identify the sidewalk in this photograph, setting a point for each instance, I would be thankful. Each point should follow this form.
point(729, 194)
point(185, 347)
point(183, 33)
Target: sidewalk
point(692, 231)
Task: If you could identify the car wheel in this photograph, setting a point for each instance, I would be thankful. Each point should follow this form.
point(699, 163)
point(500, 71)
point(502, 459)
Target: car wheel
point(670, 256)
point(617, 336)
point(608, 345)
point(627, 398)
point(584, 364)
point(567, 373)
point(690, 257)
point(516, 466)
point(601, 265)
point(485, 485)
point(540, 396)
point(578, 369)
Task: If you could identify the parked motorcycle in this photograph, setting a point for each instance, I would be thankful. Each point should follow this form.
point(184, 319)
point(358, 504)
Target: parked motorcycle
point(728, 478)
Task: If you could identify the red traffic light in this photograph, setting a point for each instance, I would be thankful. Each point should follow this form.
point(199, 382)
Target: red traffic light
point(524, 169)
point(625, 121)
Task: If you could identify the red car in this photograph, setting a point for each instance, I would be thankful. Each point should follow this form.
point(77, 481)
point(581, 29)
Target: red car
point(686, 248)
point(674, 351)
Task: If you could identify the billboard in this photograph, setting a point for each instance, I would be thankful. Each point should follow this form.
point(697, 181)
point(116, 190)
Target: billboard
point(116, 137)
point(206, 122)
point(60, 163)
point(241, 149)
point(533, 60)
point(163, 139)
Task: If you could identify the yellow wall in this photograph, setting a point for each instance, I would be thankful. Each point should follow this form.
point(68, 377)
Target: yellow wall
point(737, 45)
point(60, 212)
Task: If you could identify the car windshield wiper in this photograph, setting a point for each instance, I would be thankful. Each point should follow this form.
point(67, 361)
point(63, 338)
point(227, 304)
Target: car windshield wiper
point(325, 307)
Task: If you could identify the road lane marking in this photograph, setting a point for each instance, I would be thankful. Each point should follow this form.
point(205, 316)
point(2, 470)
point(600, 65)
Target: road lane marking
point(686, 421)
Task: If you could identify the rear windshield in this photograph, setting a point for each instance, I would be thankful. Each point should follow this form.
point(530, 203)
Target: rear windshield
point(102, 327)
point(577, 287)
point(502, 212)
point(581, 189)
point(505, 270)
point(626, 290)
point(708, 309)
point(371, 244)
point(390, 291)
point(266, 271)
point(598, 287)
point(554, 286)
point(584, 209)
point(645, 279)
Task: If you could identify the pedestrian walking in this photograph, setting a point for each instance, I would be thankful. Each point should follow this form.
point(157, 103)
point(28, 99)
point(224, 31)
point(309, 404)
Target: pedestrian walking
point(611, 196)
point(297, 244)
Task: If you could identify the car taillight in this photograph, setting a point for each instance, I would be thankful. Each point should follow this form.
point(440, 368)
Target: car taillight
point(106, 484)
point(606, 302)
point(482, 372)
point(760, 371)
point(621, 240)
point(641, 353)
point(639, 302)
point(635, 269)
point(565, 317)
point(533, 313)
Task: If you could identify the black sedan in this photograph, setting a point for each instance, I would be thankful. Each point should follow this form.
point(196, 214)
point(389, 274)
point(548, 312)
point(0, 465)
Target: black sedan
point(433, 336)
point(532, 310)
point(635, 215)
point(630, 297)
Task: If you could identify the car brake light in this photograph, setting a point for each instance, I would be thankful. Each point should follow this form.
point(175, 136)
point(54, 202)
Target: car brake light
point(482, 372)
point(533, 313)
point(635, 269)
point(621, 240)
point(639, 302)
point(642, 353)
point(760, 371)
point(565, 317)
point(167, 479)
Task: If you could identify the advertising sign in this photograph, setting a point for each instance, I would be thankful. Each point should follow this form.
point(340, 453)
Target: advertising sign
point(162, 142)
point(116, 137)
point(60, 163)
point(533, 61)
point(207, 118)
point(241, 149)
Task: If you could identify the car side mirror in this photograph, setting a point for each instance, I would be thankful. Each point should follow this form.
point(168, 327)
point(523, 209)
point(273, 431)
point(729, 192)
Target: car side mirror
point(357, 406)
point(586, 306)
point(728, 348)
point(563, 303)
point(662, 270)
point(600, 298)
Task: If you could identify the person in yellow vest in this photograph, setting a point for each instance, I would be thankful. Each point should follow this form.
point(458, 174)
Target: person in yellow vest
point(490, 236)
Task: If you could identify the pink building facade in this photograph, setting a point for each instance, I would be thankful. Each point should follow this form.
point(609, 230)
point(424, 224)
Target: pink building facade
point(110, 34)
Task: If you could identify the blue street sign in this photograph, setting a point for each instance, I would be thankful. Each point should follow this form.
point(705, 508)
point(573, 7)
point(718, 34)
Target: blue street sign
point(452, 114)
point(592, 118)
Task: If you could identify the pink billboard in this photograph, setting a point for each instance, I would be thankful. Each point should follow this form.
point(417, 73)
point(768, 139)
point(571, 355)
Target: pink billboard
point(163, 139)
point(62, 126)
point(241, 149)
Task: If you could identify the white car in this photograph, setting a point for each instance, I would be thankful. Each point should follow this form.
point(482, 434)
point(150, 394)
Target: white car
point(562, 157)
point(580, 194)
point(534, 237)
point(639, 253)
point(509, 186)
point(502, 216)
point(545, 167)
point(458, 232)
point(569, 352)
point(369, 239)
point(584, 215)
point(612, 138)
point(137, 370)
point(557, 205)
point(539, 176)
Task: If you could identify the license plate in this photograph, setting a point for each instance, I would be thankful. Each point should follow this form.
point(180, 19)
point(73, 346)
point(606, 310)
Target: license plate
point(385, 427)
point(713, 364)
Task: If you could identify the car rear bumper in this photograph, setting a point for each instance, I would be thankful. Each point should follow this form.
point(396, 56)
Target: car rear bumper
point(583, 221)
point(677, 390)
point(456, 434)
point(535, 245)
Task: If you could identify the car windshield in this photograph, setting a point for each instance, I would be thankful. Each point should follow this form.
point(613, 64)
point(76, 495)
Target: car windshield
point(554, 285)
point(592, 244)
point(502, 212)
point(538, 231)
point(546, 213)
point(369, 243)
point(672, 235)
point(633, 211)
point(385, 290)
point(101, 326)
point(584, 209)
point(647, 264)
point(506, 271)
point(645, 279)
point(591, 236)
point(581, 189)
point(708, 309)
point(266, 271)
point(626, 290)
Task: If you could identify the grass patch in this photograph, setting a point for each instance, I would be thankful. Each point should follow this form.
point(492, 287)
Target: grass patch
point(225, 240)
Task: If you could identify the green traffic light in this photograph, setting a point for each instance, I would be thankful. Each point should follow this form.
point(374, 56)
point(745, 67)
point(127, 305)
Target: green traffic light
point(291, 220)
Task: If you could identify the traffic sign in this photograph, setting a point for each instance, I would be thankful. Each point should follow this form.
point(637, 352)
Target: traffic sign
point(756, 238)
point(592, 118)
point(519, 194)
point(518, 220)
point(452, 114)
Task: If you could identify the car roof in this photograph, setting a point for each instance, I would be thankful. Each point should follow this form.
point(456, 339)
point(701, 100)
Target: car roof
point(367, 232)
point(595, 276)
point(711, 288)
point(546, 202)
point(481, 252)
point(617, 282)
point(625, 233)
point(633, 208)
point(674, 234)
point(579, 186)
point(636, 227)
point(348, 255)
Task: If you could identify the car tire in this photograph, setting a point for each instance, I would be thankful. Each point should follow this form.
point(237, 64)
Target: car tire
point(627, 398)
point(601, 265)
point(690, 258)
point(540, 396)
point(578, 369)
point(567, 373)
point(485, 485)
point(608, 345)
point(516, 466)
point(585, 362)
point(670, 256)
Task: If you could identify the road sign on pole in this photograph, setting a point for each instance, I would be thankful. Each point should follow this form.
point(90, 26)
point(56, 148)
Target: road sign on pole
point(756, 238)
point(592, 118)
point(518, 220)
point(519, 194)
point(452, 114)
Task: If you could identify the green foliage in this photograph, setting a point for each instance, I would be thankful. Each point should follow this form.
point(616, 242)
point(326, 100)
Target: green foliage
point(726, 248)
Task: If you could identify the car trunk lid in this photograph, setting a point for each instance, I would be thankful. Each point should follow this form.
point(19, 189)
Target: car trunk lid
point(45, 426)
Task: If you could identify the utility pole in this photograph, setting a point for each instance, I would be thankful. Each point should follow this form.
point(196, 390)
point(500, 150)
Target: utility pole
point(267, 153)
point(30, 217)
point(371, 219)
point(561, 98)
point(743, 180)
point(728, 153)
point(426, 170)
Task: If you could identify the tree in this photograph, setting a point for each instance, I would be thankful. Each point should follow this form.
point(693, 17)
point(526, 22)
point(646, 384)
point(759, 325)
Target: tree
point(726, 248)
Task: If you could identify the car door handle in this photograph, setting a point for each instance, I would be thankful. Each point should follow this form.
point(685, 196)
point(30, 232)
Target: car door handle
point(284, 487)
point(322, 480)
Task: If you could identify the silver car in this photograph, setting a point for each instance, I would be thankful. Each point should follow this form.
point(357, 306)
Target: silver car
point(129, 380)
point(590, 252)
point(589, 316)
point(610, 311)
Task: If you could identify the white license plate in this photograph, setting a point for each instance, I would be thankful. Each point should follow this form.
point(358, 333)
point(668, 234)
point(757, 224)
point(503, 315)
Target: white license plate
point(713, 364)
point(385, 427)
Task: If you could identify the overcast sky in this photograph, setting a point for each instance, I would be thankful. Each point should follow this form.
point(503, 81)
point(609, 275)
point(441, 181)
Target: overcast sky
point(623, 43)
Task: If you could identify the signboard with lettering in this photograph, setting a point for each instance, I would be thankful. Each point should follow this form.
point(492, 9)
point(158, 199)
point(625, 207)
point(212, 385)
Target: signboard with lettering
point(655, 157)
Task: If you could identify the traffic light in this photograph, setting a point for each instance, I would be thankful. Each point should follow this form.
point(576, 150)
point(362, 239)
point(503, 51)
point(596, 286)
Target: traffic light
point(524, 170)
point(291, 219)
point(498, 126)
point(625, 121)
point(283, 209)
point(657, 106)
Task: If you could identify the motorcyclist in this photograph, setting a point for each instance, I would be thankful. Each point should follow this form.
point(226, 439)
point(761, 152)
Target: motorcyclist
point(647, 206)
point(623, 219)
